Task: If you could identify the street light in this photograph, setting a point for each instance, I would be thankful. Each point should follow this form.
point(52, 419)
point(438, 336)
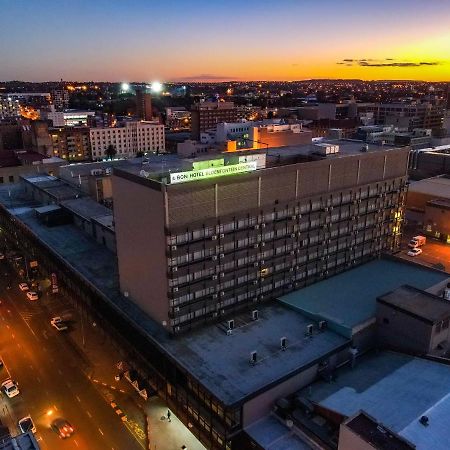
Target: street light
point(125, 87)
point(156, 87)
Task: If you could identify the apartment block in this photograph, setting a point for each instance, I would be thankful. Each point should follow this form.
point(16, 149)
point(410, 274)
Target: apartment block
point(71, 143)
point(206, 116)
point(128, 140)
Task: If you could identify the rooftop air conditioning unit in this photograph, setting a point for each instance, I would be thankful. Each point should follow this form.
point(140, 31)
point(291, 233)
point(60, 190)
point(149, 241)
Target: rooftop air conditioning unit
point(263, 225)
point(222, 235)
point(214, 277)
point(309, 329)
point(221, 255)
point(283, 343)
point(214, 238)
point(255, 314)
point(214, 257)
point(176, 309)
point(322, 325)
point(253, 358)
point(175, 289)
point(174, 269)
point(230, 324)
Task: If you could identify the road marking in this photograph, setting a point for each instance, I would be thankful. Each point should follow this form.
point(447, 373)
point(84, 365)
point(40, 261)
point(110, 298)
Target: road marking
point(78, 398)
point(76, 443)
point(89, 414)
point(101, 432)
point(7, 326)
point(13, 335)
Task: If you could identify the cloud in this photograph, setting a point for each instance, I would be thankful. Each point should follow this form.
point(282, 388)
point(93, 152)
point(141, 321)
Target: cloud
point(386, 62)
point(206, 77)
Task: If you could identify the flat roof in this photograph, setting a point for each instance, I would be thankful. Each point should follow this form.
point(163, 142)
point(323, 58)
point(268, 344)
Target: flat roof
point(87, 208)
point(418, 303)
point(219, 362)
point(395, 389)
point(436, 186)
point(349, 299)
point(270, 433)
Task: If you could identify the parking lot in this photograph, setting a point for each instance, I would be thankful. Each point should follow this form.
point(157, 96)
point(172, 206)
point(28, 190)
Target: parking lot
point(435, 253)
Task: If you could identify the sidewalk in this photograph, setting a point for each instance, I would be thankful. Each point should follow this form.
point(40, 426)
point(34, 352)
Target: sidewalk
point(89, 342)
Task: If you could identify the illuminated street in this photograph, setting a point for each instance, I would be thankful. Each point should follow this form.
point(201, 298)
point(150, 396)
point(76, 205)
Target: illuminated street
point(49, 372)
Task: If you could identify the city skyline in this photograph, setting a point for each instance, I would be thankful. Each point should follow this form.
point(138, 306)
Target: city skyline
point(204, 42)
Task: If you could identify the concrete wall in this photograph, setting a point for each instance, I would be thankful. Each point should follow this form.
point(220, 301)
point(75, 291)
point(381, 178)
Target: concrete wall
point(260, 406)
point(348, 440)
point(141, 245)
point(402, 330)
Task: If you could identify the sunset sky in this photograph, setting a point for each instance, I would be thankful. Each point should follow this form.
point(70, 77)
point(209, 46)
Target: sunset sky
point(175, 40)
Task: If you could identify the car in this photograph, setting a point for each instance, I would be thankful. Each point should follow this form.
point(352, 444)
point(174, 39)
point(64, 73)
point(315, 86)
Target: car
point(58, 323)
point(10, 388)
point(23, 287)
point(31, 295)
point(2, 256)
point(26, 424)
point(62, 427)
point(415, 252)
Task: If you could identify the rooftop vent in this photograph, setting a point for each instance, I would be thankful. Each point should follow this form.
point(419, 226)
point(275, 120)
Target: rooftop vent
point(231, 324)
point(309, 329)
point(424, 421)
point(322, 325)
point(253, 358)
point(283, 343)
point(255, 314)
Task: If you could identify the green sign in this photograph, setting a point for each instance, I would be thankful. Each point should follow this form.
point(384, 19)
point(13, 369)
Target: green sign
point(211, 172)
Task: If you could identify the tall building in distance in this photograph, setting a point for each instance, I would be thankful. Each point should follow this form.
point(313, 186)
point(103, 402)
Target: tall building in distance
point(9, 107)
point(206, 115)
point(60, 98)
point(143, 105)
point(280, 219)
point(128, 139)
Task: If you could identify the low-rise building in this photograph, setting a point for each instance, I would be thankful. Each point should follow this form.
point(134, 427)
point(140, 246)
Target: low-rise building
point(127, 140)
point(67, 117)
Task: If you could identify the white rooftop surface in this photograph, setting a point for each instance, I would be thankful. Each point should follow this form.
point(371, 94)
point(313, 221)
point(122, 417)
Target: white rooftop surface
point(397, 390)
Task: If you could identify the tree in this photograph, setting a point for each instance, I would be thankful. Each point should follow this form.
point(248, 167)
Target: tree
point(110, 151)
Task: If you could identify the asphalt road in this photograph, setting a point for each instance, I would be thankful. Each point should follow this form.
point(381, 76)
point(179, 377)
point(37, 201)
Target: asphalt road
point(434, 252)
point(52, 384)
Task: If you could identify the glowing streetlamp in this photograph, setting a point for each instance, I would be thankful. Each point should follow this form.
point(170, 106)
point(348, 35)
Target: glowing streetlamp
point(125, 87)
point(156, 87)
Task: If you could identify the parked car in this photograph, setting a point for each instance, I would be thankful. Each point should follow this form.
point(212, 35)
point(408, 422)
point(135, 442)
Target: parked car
point(23, 287)
point(415, 252)
point(58, 323)
point(62, 427)
point(31, 295)
point(26, 424)
point(10, 388)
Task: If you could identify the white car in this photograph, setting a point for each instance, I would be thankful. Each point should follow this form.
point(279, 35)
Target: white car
point(23, 287)
point(415, 252)
point(26, 424)
point(31, 295)
point(9, 387)
point(58, 323)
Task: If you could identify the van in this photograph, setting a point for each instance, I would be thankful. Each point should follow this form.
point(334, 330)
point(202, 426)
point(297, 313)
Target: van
point(417, 241)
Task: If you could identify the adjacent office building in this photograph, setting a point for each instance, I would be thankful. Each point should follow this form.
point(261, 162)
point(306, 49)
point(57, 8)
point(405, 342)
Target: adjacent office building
point(128, 140)
point(222, 243)
point(143, 105)
point(69, 117)
point(206, 116)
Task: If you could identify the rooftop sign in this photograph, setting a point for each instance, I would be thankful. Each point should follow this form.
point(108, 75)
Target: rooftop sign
point(211, 172)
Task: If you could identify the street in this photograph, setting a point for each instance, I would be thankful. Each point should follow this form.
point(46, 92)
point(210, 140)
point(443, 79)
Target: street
point(49, 372)
point(435, 253)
